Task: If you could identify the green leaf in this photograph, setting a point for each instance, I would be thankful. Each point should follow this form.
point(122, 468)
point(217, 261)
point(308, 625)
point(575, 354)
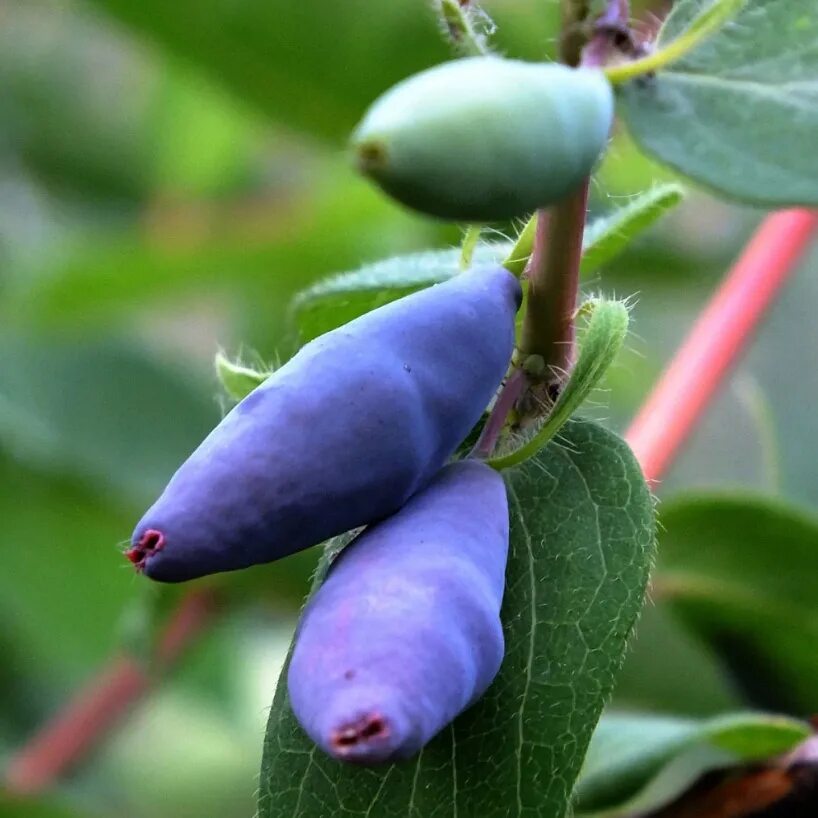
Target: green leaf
point(85, 143)
point(342, 297)
point(581, 547)
point(740, 572)
point(337, 300)
point(237, 380)
point(738, 114)
point(600, 344)
point(609, 235)
point(639, 763)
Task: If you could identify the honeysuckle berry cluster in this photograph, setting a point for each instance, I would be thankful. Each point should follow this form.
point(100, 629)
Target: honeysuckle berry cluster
point(358, 428)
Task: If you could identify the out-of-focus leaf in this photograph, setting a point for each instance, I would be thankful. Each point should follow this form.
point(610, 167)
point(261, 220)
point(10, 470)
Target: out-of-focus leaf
point(64, 583)
point(626, 168)
point(779, 361)
point(339, 299)
point(581, 546)
point(269, 249)
point(739, 113)
point(639, 763)
point(313, 65)
point(740, 572)
point(105, 411)
point(73, 125)
point(88, 116)
point(668, 670)
point(27, 807)
point(201, 142)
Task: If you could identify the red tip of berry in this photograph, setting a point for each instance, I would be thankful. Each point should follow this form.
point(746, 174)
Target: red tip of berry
point(149, 543)
point(362, 731)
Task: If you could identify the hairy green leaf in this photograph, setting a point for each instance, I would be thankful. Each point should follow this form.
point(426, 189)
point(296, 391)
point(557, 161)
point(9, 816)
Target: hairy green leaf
point(581, 547)
point(339, 299)
point(238, 380)
point(739, 113)
point(740, 572)
point(638, 763)
point(609, 235)
point(345, 296)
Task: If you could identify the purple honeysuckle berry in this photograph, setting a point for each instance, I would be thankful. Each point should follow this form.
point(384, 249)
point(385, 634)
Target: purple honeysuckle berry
point(343, 434)
point(405, 632)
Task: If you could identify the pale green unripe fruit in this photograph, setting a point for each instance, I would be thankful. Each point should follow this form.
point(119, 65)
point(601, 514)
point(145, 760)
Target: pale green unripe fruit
point(485, 138)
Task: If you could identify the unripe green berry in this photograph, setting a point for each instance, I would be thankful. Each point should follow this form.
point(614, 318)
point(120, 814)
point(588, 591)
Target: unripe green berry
point(485, 138)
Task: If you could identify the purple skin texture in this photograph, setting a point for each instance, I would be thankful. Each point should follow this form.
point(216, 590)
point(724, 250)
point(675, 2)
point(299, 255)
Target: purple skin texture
point(342, 435)
point(405, 632)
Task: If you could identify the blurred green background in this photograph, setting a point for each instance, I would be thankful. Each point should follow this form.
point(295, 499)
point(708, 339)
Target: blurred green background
point(171, 173)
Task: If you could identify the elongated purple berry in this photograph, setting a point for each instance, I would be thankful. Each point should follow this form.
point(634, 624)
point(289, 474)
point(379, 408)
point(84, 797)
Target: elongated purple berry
point(342, 435)
point(405, 632)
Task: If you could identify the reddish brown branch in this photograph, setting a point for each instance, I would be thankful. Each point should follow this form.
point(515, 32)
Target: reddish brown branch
point(718, 338)
point(98, 708)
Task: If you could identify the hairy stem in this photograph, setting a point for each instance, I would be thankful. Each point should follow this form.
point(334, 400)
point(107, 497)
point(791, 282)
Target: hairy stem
point(553, 274)
point(548, 330)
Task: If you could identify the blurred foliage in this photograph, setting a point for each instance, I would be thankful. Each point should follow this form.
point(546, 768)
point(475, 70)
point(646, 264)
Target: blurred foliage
point(638, 763)
point(171, 174)
point(740, 572)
